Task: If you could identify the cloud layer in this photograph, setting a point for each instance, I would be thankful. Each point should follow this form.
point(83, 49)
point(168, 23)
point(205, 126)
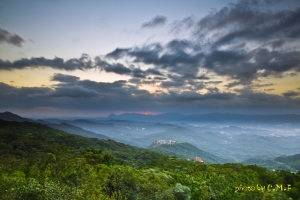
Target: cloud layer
point(218, 65)
point(72, 93)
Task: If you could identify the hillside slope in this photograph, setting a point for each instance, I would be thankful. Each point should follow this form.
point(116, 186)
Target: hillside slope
point(8, 116)
point(183, 150)
point(26, 139)
point(282, 162)
point(77, 131)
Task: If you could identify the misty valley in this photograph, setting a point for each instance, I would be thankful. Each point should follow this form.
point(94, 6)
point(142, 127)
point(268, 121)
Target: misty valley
point(230, 138)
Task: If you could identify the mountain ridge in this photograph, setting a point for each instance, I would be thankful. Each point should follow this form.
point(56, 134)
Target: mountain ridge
point(208, 117)
point(9, 116)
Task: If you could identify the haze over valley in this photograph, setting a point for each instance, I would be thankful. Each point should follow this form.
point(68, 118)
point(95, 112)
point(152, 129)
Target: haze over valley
point(229, 137)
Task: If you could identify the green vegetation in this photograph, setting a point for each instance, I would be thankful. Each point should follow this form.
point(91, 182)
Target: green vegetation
point(282, 162)
point(185, 150)
point(39, 162)
point(292, 161)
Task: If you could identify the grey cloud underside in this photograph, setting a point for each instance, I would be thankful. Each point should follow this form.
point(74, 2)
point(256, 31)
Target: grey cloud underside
point(119, 68)
point(73, 93)
point(64, 78)
point(236, 64)
point(176, 59)
point(9, 38)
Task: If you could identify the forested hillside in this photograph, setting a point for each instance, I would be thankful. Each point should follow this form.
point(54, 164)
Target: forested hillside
point(39, 162)
point(291, 163)
point(185, 150)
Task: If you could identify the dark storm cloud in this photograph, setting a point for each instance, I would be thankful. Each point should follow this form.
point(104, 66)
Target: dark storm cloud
point(9, 38)
point(64, 78)
point(155, 22)
point(82, 63)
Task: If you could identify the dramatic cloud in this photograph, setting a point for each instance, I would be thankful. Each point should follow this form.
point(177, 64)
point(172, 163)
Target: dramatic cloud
point(155, 22)
point(82, 63)
point(242, 41)
point(243, 45)
point(9, 38)
point(175, 56)
point(73, 93)
point(251, 20)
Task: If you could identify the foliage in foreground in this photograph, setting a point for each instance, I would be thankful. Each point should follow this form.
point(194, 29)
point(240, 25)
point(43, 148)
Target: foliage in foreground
point(38, 162)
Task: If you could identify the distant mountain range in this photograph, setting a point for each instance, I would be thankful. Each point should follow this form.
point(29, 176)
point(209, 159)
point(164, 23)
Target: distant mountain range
point(177, 117)
point(208, 118)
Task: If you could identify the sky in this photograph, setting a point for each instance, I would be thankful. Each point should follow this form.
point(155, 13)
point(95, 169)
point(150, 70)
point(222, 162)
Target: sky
point(63, 58)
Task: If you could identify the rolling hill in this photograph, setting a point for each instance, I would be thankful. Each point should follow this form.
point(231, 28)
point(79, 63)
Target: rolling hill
point(183, 150)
